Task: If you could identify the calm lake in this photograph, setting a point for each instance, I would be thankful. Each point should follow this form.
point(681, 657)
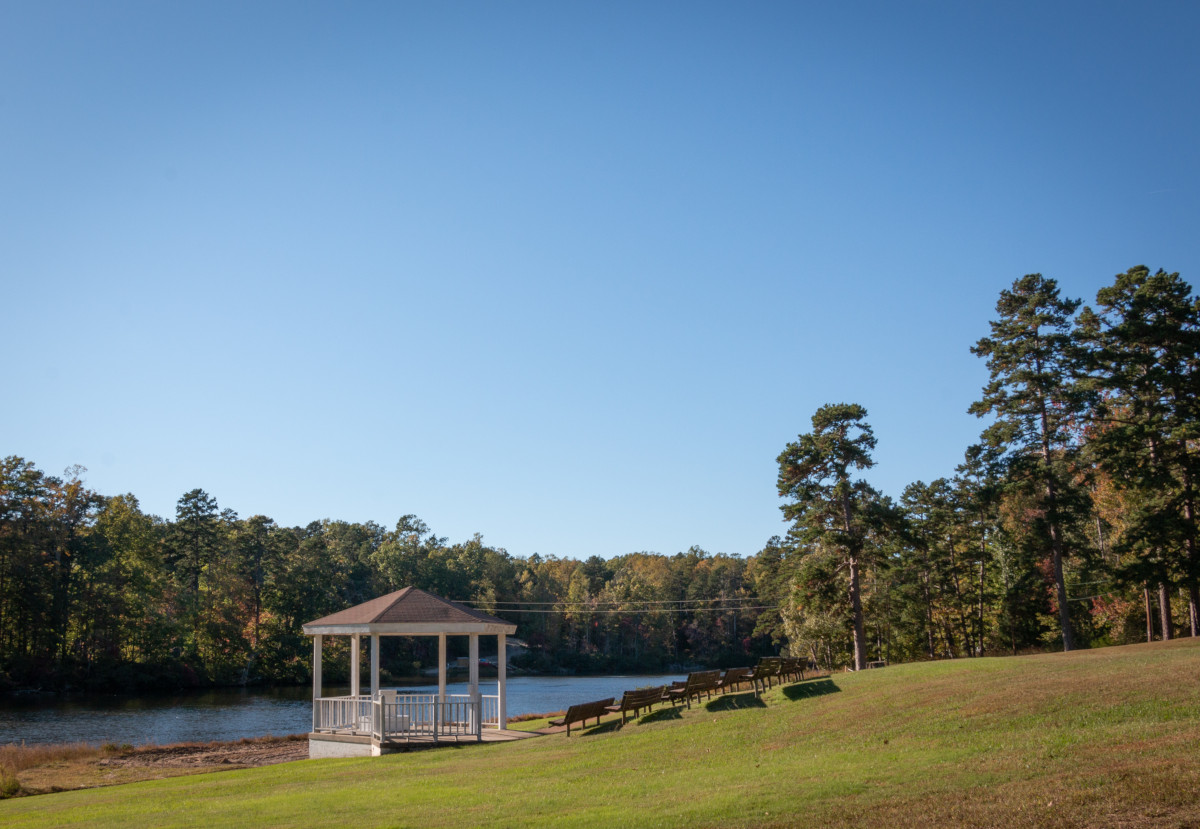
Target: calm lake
point(230, 714)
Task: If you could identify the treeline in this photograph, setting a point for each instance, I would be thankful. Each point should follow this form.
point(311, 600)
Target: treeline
point(95, 593)
point(1071, 523)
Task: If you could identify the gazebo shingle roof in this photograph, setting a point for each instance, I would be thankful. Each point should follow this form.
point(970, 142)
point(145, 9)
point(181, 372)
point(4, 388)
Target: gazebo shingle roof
point(410, 606)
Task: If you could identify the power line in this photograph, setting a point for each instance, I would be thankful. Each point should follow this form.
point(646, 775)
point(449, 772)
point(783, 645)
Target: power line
point(583, 611)
point(1086, 598)
point(627, 601)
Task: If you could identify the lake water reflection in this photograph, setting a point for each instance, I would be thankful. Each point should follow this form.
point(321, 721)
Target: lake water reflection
point(230, 714)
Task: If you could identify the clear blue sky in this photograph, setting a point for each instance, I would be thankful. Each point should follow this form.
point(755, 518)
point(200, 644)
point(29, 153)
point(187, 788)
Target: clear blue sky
point(569, 275)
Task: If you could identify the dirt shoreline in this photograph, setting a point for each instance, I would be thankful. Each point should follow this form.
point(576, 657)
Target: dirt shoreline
point(263, 751)
point(45, 768)
point(41, 769)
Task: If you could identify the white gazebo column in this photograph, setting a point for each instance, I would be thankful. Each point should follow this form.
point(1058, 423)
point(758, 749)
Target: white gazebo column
point(441, 706)
point(502, 676)
point(441, 664)
point(473, 677)
point(317, 647)
point(316, 680)
point(355, 684)
point(473, 665)
point(374, 664)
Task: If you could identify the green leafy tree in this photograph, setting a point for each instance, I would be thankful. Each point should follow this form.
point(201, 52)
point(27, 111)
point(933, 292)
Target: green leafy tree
point(132, 617)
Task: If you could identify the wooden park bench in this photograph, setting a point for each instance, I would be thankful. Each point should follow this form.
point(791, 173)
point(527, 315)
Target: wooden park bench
point(635, 701)
point(732, 678)
point(700, 682)
point(584, 712)
point(768, 668)
point(793, 667)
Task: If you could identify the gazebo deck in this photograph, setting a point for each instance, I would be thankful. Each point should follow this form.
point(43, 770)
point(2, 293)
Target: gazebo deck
point(487, 735)
point(347, 744)
point(388, 716)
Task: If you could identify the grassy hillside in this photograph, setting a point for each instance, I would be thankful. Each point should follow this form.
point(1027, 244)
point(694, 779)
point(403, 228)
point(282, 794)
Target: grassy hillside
point(1096, 738)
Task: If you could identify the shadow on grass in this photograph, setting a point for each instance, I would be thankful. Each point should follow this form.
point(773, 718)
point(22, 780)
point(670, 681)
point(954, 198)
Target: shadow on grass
point(662, 715)
point(603, 728)
point(735, 702)
point(811, 688)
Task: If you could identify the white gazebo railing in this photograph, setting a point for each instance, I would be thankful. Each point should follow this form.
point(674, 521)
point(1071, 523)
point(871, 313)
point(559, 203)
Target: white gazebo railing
point(491, 711)
point(388, 716)
point(346, 714)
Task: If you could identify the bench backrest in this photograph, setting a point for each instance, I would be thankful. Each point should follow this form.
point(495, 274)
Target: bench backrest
point(587, 710)
point(703, 680)
point(769, 666)
point(641, 697)
point(734, 675)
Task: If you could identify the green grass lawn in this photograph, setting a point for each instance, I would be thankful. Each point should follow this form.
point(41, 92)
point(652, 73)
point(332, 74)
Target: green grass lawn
point(1093, 738)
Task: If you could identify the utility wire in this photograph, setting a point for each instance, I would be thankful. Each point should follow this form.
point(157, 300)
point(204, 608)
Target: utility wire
point(627, 601)
point(583, 611)
point(1086, 598)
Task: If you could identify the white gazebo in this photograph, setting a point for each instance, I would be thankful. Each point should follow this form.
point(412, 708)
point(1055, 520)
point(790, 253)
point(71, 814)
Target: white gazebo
point(382, 721)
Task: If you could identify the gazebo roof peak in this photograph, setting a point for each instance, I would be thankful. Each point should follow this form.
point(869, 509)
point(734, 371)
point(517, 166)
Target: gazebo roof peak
point(410, 610)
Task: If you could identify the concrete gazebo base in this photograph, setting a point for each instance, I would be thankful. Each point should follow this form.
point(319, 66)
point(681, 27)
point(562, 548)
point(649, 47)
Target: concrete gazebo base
point(350, 745)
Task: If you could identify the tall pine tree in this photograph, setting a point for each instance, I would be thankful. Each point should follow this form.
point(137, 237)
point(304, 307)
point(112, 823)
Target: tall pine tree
point(1145, 348)
point(829, 510)
point(1034, 363)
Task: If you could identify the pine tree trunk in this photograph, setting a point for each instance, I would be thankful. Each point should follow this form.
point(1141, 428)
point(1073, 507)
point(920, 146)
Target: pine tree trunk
point(1060, 584)
point(1189, 516)
point(1008, 611)
point(1056, 544)
point(948, 634)
point(1149, 614)
point(860, 645)
point(1194, 607)
point(964, 629)
point(980, 652)
point(1164, 611)
point(928, 616)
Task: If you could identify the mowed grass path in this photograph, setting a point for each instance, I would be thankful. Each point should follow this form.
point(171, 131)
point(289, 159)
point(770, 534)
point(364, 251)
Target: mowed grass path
point(1108, 737)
